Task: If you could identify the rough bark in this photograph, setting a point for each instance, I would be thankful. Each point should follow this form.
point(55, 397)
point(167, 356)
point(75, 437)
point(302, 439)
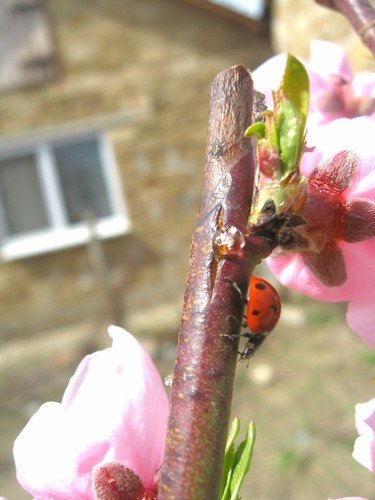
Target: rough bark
point(213, 304)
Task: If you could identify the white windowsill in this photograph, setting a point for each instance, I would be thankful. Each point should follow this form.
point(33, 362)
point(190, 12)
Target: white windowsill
point(59, 239)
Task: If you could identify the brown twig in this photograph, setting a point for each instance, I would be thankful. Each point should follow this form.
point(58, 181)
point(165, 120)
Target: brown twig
point(213, 306)
point(360, 14)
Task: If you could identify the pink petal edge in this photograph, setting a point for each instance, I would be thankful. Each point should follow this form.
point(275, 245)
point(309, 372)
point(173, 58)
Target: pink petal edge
point(115, 408)
point(361, 319)
point(327, 58)
point(364, 447)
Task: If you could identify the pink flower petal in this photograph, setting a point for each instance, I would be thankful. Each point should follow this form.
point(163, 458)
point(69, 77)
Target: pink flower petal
point(327, 62)
point(330, 135)
point(328, 265)
point(339, 135)
point(359, 220)
point(292, 272)
point(41, 468)
point(327, 58)
point(364, 447)
point(114, 409)
point(147, 406)
point(364, 84)
point(336, 172)
point(345, 134)
point(310, 159)
point(360, 266)
point(361, 319)
point(267, 76)
point(365, 417)
point(349, 498)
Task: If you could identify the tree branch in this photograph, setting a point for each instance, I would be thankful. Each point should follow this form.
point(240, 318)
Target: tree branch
point(213, 305)
point(360, 14)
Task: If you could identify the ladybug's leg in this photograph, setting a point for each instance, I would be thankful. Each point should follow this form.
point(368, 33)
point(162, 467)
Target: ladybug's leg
point(243, 298)
point(254, 340)
point(233, 336)
point(237, 288)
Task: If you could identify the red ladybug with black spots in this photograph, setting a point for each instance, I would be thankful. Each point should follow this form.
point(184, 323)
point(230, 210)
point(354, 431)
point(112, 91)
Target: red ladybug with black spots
point(263, 308)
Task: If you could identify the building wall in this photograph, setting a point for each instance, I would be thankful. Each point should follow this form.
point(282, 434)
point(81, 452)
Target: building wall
point(141, 70)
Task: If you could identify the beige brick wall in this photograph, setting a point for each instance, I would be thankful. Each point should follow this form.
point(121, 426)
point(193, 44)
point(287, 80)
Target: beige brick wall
point(153, 59)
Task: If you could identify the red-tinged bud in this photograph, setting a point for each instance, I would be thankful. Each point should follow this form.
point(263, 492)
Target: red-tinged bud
point(114, 481)
point(268, 160)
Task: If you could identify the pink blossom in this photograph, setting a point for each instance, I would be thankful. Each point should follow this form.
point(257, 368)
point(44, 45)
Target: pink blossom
point(334, 91)
point(347, 228)
point(338, 262)
point(364, 447)
point(348, 498)
point(113, 416)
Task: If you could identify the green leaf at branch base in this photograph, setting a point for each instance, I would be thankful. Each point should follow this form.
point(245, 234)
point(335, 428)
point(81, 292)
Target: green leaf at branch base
point(236, 461)
point(257, 129)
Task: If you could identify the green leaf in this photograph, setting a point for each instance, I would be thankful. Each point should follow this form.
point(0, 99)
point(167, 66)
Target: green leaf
point(289, 125)
point(291, 107)
point(258, 129)
point(233, 433)
point(229, 460)
point(242, 461)
point(296, 86)
point(281, 141)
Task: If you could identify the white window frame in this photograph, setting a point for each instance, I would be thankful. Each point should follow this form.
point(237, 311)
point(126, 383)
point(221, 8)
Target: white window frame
point(62, 234)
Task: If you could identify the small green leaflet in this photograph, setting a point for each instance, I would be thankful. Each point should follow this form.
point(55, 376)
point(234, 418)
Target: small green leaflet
point(291, 107)
point(296, 87)
point(284, 129)
point(229, 456)
point(288, 126)
point(236, 461)
point(258, 129)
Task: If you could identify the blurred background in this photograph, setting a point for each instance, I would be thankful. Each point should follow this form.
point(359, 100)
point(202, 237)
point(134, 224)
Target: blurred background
point(103, 115)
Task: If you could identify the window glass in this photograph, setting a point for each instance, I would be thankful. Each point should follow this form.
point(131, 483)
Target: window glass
point(82, 180)
point(21, 196)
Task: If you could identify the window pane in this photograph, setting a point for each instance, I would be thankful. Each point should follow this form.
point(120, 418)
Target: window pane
point(21, 195)
point(82, 181)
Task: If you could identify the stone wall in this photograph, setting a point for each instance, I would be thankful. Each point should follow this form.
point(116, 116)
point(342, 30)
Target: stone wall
point(154, 60)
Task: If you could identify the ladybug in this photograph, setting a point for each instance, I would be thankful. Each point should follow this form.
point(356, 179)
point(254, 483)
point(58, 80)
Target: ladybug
point(263, 308)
